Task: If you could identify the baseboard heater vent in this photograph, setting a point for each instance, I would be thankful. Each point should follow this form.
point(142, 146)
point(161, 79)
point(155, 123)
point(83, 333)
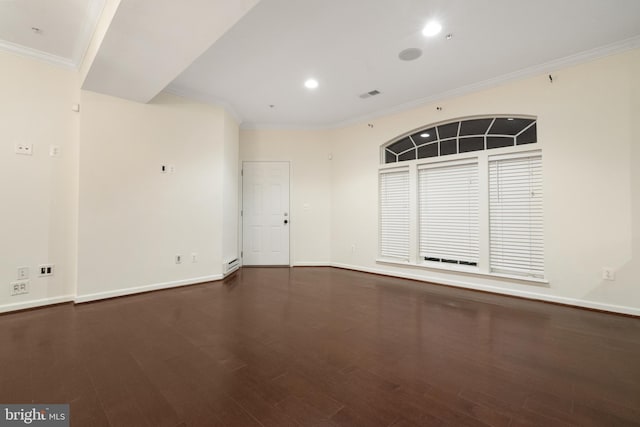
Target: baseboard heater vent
point(230, 267)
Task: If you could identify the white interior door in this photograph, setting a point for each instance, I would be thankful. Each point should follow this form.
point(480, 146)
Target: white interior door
point(265, 216)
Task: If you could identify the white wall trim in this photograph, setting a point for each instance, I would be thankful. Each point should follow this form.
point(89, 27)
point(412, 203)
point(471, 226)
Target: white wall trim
point(35, 303)
point(311, 264)
point(145, 288)
point(498, 290)
point(27, 52)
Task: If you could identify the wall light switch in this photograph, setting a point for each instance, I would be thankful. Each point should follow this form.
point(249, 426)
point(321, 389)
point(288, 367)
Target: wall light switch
point(608, 273)
point(23, 273)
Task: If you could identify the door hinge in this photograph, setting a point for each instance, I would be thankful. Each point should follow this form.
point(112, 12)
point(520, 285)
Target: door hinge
point(241, 172)
point(241, 212)
point(241, 254)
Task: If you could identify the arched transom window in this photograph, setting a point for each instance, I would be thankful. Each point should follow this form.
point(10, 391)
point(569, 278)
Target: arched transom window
point(462, 136)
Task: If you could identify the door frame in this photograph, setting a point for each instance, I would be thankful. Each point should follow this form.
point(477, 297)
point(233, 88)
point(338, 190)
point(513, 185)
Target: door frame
point(241, 210)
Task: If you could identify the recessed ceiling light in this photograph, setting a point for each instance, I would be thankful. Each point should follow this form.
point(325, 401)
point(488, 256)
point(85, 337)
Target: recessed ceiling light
point(424, 135)
point(431, 29)
point(311, 84)
point(510, 118)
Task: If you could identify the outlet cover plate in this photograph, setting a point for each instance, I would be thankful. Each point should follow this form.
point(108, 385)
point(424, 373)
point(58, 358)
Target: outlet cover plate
point(24, 149)
point(19, 288)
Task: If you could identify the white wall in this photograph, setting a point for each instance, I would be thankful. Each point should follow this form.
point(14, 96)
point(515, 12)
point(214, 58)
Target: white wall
point(133, 219)
point(102, 211)
point(310, 196)
point(38, 192)
point(586, 129)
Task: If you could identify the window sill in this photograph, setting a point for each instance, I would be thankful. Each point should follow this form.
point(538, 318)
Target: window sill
point(462, 269)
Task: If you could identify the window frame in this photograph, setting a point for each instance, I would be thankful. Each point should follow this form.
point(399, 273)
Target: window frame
point(384, 148)
point(482, 158)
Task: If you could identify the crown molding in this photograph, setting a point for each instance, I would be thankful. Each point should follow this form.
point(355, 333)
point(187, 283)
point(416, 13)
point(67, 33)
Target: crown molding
point(28, 52)
point(280, 126)
point(203, 97)
point(554, 65)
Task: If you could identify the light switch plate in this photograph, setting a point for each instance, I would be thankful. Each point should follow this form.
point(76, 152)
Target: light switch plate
point(23, 273)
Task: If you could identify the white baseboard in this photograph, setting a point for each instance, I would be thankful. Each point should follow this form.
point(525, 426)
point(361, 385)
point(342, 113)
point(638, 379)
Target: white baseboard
point(461, 284)
point(499, 290)
point(145, 288)
point(311, 264)
point(35, 303)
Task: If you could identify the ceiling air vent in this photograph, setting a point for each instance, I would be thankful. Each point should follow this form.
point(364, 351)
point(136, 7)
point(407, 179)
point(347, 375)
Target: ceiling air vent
point(370, 94)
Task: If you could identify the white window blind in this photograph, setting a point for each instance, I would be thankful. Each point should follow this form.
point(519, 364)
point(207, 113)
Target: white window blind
point(448, 213)
point(516, 216)
point(394, 214)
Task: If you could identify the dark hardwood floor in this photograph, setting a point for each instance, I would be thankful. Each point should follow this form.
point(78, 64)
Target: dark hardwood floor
point(323, 347)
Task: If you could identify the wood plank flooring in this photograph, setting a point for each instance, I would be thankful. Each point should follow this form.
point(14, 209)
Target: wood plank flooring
point(323, 347)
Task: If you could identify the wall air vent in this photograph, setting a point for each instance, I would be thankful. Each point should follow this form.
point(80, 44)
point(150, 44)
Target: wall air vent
point(370, 94)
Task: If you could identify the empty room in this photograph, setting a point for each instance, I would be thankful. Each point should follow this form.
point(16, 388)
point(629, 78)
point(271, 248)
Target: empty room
point(319, 213)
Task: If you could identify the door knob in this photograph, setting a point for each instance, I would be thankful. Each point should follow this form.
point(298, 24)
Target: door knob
point(286, 221)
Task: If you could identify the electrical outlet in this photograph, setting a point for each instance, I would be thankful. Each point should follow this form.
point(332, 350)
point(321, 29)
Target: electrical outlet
point(23, 273)
point(163, 168)
point(171, 168)
point(46, 270)
point(178, 259)
point(54, 150)
point(194, 257)
point(19, 288)
point(608, 273)
point(25, 149)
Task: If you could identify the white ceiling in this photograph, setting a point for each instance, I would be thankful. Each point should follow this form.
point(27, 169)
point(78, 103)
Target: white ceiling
point(150, 42)
point(350, 46)
point(66, 28)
